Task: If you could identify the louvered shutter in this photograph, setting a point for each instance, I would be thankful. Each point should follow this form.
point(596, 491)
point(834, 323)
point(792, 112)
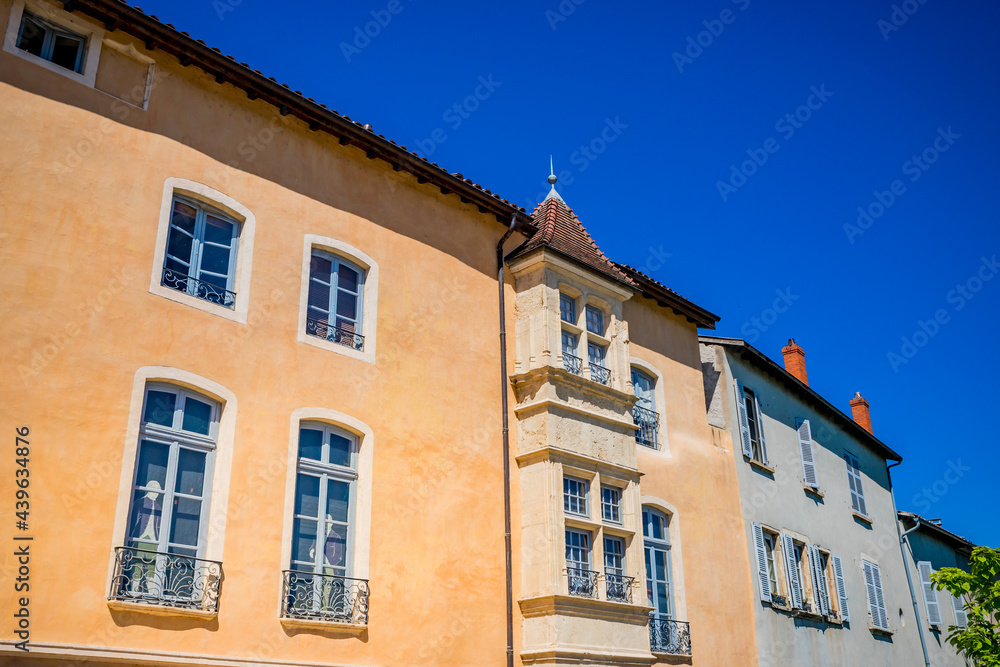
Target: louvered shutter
point(741, 411)
point(792, 570)
point(930, 595)
point(854, 479)
point(763, 575)
point(838, 575)
point(760, 431)
point(876, 603)
point(961, 616)
point(806, 447)
point(819, 579)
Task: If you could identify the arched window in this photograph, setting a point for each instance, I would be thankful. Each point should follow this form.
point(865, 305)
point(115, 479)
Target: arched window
point(335, 299)
point(656, 541)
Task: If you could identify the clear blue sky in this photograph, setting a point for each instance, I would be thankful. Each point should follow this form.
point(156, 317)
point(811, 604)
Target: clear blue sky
point(558, 84)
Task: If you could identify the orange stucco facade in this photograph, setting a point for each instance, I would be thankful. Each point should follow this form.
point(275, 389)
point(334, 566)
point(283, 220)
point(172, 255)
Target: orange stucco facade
point(82, 182)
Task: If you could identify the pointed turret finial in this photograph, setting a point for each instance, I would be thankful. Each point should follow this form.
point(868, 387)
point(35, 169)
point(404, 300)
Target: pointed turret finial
point(552, 181)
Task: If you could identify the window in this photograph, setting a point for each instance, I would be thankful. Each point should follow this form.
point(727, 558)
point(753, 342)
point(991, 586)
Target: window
point(575, 496)
point(925, 569)
point(806, 451)
point(767, 572)
point(817, 569)
point(961, 616)
point(751, 424)
point(854, 480)
point(571, 362)
point(335, 300)
point(644, 411)
point(611, 503)
point(595, 321)
point(876, 603)
point(582, 580)
point(595, 356)
point(656, 543)
point(619, 587)
point(167, 525)
point(50, 42)
point(200, 257)
point(792, 553)
point(837, 573)
point(567, 309)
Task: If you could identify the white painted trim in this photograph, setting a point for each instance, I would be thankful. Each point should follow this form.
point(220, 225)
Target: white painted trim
point(129, 51)
point(676, 557)
point(363, 509)
point(369, 299)
point(93, 33)
point(225, 445)
point(244, 247)
point(661, 403)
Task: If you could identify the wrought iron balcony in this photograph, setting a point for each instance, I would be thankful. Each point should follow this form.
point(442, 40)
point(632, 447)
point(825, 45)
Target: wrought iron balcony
point(324, 597)
point(619, 587)
point(648, 422)
point(582, 583)
point(166, 580)
point(331, 332)
point(599, 373)
point(666, 636)
point(199, 288)
point(571, 363)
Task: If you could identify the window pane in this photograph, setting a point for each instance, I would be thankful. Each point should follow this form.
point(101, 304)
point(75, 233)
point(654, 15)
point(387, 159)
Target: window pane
point(310, 444)
point(183, 217)
point(152, 466)
point(334, 547)
point(32, 36)
point(218, 231)
point(347, 305)
point(320, 268)
point(66, 51)
point(215, 259)
point(304, 541)
point(348, 278)
point(319, 297)
point(338, 500)
point(190, 472)
point(147, 509)
point(197, 416)
point(307, 495)
point(179, 245)
point(186, 521)
point(340, 450)
point(160, 408)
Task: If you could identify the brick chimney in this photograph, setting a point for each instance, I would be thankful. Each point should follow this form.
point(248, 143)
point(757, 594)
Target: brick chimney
point(859, 407)
point(795, 361)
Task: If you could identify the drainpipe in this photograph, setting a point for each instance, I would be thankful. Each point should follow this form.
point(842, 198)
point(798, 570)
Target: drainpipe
point(906, 567)
point(506, 444)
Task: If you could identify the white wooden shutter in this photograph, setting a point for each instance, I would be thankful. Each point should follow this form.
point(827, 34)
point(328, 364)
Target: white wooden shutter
point(961, 617)
point(838, 575)
point(854, 480)
point(763, 575)
point(930, 595)
point(806, 447)
point(819, 579)
point(760, 431)
point(876, 603)
point(741, 411)
point(791, 570)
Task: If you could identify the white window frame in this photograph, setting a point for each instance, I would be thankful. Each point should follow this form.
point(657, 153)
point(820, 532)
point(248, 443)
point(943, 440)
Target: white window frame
point(225, 204)
point(659, 403)
point(91, 32)
point(368, 309)
point(569, 481)
point(932, 604)
point(652, 544)
point(758, 421)
point(616, 505)
point(195, 270)
point(877, 614)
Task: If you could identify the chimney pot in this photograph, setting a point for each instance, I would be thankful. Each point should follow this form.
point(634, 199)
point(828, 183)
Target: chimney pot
point(795, 361)
point(859, 408)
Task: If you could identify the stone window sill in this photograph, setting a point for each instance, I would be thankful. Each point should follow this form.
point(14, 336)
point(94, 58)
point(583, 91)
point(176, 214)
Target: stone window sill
point(862, 518)
point(813, 491)
point(763, 467)
point(880, 631)
point(331, 626)
point(160, 610)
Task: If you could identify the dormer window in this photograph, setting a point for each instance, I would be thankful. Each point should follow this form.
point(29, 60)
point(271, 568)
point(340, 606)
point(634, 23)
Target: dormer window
point(50, 42)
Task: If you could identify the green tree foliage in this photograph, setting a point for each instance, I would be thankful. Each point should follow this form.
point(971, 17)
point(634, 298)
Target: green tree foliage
point(979, 589)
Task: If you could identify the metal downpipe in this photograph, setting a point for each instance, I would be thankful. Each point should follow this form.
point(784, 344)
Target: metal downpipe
point(906, 567)
point(506, 443)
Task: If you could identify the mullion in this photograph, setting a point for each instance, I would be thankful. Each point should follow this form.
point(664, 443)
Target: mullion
point(168, 499)
point(199, 235)
point(334, 294)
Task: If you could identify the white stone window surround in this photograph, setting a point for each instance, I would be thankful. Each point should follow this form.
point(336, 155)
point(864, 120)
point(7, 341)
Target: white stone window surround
point(661, 405)
point(369, 299)
point(244, 248)
point(92, 32)
point(220, 477)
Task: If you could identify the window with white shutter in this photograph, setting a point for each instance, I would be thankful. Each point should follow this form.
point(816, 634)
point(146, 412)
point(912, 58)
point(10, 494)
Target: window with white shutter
point(792, 570)
point(763, 571)
point(838, 575)
point(924, 568)
point(961, 616)
point(876, 601)
point(854, 481)
point(741, 411)
point(806, 450)
point(822, 605)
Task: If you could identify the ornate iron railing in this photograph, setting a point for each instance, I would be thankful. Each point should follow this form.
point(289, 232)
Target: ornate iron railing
point(582, 583)
point(572, 364)
point(599, 373)
point(199, 288)
point(648, 422)
point(331, 332)
point(619, 587)
point(324, 597)
point(164, 579)
point(666, 636)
